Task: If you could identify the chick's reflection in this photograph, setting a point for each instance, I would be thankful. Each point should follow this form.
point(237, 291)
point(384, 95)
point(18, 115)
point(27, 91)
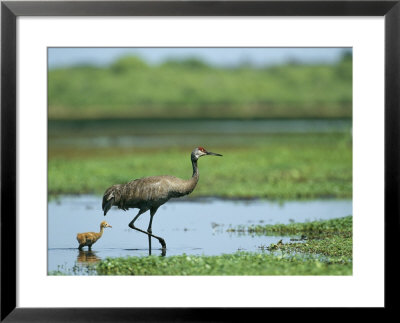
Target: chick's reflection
point(87, 256)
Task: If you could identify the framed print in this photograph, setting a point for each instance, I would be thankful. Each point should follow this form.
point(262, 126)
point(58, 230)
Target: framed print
point(294, 107)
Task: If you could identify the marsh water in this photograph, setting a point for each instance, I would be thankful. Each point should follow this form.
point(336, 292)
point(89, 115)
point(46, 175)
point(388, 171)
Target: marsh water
point(191, 226)
point(154, 133)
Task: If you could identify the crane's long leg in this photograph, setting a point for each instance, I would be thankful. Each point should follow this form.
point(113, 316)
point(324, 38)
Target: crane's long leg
point(132, 226)
point(149, 230)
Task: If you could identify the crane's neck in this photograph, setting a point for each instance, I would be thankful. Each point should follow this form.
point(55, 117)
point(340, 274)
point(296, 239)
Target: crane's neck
point(195, 177)
point(195, 169)
point(191, 183)
point(101, 232)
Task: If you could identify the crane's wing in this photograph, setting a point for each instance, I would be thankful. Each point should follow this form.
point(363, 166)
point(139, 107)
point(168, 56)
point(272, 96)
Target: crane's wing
point(149, 189)
point(144, 193)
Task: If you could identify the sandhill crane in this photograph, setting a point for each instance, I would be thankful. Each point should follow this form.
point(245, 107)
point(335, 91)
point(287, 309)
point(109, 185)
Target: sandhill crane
point(88, 238)
point(150, 193)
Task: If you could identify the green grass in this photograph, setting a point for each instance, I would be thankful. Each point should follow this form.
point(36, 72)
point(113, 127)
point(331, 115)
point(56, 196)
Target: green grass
point(236, 264)
point(298, 166)
point(342, 226)
point(332, 239)
point(191, 89)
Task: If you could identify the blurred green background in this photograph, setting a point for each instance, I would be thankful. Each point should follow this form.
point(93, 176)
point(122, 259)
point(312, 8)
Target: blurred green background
point(191, 88)
point(284, 128)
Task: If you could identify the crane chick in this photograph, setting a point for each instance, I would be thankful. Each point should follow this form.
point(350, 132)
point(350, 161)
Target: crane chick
point(88, 238)
point(149, 193)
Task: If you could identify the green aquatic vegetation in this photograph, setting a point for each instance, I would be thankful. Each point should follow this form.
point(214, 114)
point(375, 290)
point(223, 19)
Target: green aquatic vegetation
point(240, 263)
point(284, 166)
point(332, 239)
point(76, 270)
point(337, 249)
point(315, 229)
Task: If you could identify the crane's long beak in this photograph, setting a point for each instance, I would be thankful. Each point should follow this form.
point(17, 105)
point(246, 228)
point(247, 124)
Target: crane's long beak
point(213, 154)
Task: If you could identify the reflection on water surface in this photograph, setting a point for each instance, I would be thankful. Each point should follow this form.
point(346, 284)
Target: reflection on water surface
point(157, 132)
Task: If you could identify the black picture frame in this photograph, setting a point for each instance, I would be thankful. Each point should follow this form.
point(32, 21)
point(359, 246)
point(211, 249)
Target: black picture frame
point(10, 10)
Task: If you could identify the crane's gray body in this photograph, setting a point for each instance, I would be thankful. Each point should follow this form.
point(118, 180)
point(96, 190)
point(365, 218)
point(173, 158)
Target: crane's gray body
point(147, 193)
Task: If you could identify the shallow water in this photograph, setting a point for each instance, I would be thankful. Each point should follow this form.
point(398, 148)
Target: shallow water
point(163, 133)
point(197, 227)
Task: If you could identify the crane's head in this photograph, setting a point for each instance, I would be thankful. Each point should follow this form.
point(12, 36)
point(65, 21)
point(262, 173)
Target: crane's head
point(200, 151)
point(104, 224)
